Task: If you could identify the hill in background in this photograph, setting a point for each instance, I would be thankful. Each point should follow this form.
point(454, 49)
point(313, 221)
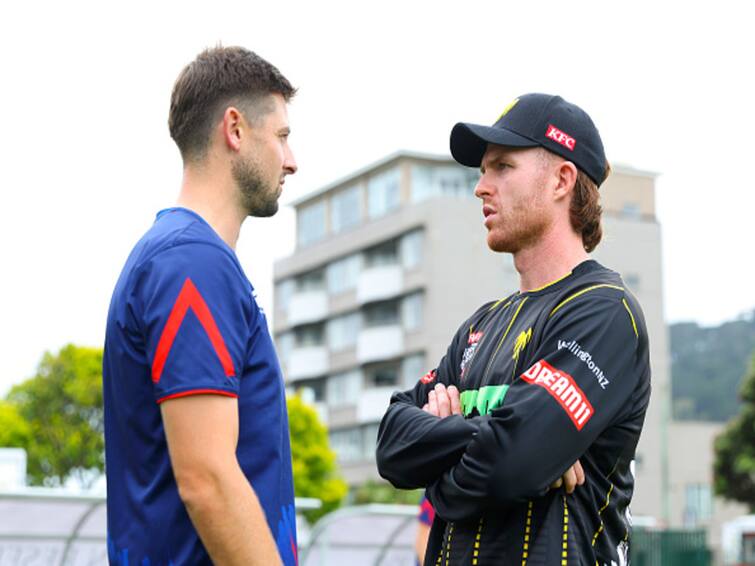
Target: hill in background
point(707, 367)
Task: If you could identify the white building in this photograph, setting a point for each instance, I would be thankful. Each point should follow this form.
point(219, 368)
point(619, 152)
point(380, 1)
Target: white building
point(12, 468)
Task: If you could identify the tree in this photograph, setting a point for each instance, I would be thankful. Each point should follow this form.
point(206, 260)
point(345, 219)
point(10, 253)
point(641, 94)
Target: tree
point(14, 430)
point(734, 466)
point(57, 416)
point(62, 410)
point(314, 463)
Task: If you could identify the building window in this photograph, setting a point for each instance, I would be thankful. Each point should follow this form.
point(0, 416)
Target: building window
point(369, 440)
point(354, 444)
point(382, 374)
point(285, 343)
point(342, 331)
point(311, 390)
point(311, 223)
point(344, 388)
point(411, 311)
point(434, 180)
point(283, 291)
point(412, 368)
point(311, 281)
point(383, 313)
point(309, 335)
point(411, 249)
point(383, 193)
point(698, 504)
point(382, 254)
point(347, 443)
point(342, 274)
point(346, 209)
point(748, 548)
point(631, 210)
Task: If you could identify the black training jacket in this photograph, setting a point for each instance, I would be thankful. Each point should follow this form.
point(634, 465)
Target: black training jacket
point(546, 377)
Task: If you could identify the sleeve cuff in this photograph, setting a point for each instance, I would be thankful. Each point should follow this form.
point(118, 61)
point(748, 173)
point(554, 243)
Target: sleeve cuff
point(197, 392)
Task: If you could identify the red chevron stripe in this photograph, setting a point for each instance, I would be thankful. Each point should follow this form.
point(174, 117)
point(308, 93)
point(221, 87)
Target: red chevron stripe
point(189, 297)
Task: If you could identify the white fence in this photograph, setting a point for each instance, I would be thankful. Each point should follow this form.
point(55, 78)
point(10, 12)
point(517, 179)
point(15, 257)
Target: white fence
point(45, 527)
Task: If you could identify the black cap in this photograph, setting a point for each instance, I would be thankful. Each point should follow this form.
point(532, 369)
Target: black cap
point(536, 120)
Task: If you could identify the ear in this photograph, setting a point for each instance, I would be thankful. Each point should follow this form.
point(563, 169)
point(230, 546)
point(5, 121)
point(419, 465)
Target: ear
point(233, 126)
point(566, 178)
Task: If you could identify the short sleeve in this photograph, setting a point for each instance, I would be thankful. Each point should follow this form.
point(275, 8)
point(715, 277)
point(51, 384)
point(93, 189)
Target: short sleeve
point(195, 308)
point(426, 512)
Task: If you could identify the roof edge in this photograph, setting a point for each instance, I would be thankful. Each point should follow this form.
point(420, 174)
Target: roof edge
point(348, 178)
point(629, 170)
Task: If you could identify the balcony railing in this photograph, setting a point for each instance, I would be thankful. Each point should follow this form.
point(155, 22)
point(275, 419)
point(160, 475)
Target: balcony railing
point(383, 282)
point(380, 343)
point(373, 403)
point(307, 306)
point(310, 361)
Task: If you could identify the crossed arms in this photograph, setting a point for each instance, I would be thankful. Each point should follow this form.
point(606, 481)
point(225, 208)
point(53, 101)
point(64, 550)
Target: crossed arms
point(522, 448)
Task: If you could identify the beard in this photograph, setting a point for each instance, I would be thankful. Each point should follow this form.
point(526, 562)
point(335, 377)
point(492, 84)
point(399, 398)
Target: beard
point(257, 198)
point(520, 228)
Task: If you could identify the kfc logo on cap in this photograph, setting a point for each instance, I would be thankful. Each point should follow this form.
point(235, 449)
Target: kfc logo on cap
point(558, 136)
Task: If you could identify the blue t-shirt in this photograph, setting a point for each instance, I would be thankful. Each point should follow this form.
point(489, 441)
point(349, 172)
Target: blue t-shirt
point(183, 321)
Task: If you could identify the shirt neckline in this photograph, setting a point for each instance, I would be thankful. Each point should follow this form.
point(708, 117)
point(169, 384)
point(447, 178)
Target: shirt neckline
point(582, 268)
point(196, 215)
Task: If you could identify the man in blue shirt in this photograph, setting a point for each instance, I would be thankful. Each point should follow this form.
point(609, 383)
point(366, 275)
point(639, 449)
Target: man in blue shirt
point(197, 443)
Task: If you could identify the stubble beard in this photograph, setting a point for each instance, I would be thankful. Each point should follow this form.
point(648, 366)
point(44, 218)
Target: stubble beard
point(521, 228)
point(256, 198)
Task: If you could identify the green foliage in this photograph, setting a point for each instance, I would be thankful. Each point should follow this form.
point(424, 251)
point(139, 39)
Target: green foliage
point(61, 407)
point(14, 430)
point(707, 365)
point(314, 463)
point(734, 466)
point(381, 492)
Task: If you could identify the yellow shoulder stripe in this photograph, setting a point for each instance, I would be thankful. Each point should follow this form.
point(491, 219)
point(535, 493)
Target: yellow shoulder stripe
point(495, 306)
point(549, 284)
point(582, 292)
point(634, 324)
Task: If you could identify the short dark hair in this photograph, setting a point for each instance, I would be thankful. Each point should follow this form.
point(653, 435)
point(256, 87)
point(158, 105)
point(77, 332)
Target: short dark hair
point(218, 77)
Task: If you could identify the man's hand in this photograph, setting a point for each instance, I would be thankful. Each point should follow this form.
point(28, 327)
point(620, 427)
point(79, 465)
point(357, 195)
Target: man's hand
point(443, 402)
point(572, 477)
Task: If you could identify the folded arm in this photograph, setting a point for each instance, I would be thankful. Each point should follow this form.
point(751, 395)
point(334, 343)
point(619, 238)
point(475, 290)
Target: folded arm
point(550, 417)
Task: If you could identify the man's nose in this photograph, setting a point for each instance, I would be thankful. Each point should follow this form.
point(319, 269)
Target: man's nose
point(481, 189)
point(289, 163)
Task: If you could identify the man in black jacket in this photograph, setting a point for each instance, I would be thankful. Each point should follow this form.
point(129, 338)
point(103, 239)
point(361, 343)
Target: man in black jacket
point(532, 385)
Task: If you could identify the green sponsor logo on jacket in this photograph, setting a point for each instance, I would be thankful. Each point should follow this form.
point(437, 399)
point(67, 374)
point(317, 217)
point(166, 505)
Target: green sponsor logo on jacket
point(484, 399)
